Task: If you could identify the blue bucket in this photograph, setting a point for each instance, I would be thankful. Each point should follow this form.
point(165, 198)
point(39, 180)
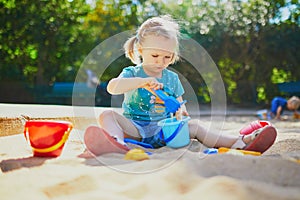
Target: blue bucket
point(175, 132)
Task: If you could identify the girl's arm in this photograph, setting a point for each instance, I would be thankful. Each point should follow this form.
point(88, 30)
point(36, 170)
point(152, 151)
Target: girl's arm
point(122, 85)
point(182, 110)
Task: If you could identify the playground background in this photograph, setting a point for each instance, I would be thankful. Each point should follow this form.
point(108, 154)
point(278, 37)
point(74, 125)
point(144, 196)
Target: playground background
point(254, 44)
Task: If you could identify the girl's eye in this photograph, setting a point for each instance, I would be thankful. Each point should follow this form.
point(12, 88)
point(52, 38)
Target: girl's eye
point(154, 56)
point(167, 57)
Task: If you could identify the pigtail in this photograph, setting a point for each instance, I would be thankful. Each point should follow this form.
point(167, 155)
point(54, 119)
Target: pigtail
point(130, 50)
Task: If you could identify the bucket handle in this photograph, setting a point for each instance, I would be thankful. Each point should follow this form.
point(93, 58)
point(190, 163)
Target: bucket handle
point(143, 144)
point(173, 135)
point(52, 148)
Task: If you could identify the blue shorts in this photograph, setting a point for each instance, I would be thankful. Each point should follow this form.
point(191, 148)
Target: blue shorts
point(150, 132)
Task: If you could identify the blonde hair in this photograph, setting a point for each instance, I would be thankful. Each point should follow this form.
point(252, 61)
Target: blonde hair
point(160, 26)
point(295, 101)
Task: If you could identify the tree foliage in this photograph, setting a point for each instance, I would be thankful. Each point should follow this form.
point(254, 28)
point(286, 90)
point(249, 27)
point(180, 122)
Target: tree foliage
point(108, 18)
point(254, 43)
point(40, 39)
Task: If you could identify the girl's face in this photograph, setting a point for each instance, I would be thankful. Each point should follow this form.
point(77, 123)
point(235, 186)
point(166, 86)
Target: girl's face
point(157, 53)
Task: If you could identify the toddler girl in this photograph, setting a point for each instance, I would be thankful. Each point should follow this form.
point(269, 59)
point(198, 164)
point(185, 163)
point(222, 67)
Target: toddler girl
point(154, 47)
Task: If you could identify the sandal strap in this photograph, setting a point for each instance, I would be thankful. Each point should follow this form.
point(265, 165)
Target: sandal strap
point(239, 144)
point(119, 140)
point(255, 133)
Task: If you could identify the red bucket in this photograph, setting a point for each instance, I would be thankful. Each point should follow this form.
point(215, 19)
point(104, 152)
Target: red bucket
point(47, 138)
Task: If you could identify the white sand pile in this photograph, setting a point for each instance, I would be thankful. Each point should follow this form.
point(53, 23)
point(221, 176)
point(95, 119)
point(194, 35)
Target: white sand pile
point(184, 173)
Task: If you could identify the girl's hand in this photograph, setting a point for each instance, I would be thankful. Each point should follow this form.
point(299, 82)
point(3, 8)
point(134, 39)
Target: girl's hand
point(153, 84)
point(185, 113)
point(180, 112)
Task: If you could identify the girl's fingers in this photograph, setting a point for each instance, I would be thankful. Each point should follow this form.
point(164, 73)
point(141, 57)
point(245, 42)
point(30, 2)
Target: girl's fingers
point(178, 114)
point(185, 113)
point(156, 85)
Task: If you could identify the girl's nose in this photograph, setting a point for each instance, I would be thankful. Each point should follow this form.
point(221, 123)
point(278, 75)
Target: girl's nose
point(159, 61)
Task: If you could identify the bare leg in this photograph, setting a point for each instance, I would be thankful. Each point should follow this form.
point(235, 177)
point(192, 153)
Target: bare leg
point(210, 138)
point(117, 125)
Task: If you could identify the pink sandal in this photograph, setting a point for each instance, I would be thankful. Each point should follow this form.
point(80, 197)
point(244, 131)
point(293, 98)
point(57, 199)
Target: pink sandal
point(261, 140)
point(254, 126)
point(99, 142)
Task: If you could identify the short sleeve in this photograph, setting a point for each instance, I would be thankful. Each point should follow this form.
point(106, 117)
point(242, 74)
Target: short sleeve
point(127, 72)
point(172, 84)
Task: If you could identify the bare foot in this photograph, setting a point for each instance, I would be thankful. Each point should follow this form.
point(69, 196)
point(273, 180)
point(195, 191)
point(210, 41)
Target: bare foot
point(247, 139)
point(99, 142)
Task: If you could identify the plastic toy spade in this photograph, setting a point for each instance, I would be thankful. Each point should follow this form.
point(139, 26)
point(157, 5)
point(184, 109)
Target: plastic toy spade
point(172, 105)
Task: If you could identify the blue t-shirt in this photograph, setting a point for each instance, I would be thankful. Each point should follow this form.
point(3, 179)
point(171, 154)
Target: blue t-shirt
point(140, 104)
point(276, 102)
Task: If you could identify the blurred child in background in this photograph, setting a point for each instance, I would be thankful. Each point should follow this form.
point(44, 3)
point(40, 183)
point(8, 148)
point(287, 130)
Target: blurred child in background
point(279, 104)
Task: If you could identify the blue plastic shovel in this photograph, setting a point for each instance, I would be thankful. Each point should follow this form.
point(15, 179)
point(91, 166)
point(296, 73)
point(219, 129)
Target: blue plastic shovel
point(172, 105)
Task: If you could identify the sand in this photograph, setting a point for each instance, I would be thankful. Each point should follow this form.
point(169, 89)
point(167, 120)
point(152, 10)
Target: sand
point(184, 173)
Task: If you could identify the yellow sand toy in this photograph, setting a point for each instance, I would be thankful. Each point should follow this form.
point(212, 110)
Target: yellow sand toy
point(222, 150)
point(238, 151)
point(136, 154)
